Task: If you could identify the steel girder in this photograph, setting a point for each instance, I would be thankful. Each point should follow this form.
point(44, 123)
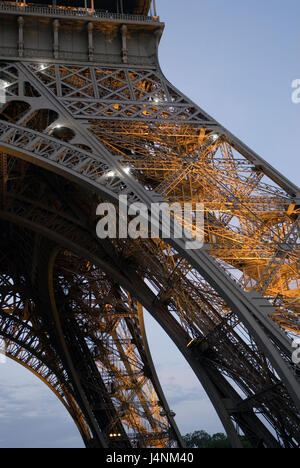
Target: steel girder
point(120, 116)
point(34, 216)
point(216, 393)
point(66, 358)
point(25, 344)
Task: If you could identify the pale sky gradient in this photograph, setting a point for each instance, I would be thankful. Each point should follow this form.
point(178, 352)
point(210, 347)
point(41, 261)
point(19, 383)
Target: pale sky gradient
point(237, 60)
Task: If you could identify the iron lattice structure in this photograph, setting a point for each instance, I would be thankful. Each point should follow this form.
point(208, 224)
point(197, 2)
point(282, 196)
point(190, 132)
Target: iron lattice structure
point(86, 100)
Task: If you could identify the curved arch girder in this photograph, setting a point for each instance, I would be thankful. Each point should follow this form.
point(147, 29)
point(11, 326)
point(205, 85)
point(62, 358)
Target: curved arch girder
point(242, 303)
point(107, 266)
point(23, 344)
point(248, 308)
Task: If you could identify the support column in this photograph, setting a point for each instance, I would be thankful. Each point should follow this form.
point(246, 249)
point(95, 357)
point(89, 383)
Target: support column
point(55, 39)
point(21, 36)
point(124, 30)
point(91, 41)
point(154, 8)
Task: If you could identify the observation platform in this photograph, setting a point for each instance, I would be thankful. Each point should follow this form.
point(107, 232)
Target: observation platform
point(98, 8)
point(134, 7)
point(102, 31)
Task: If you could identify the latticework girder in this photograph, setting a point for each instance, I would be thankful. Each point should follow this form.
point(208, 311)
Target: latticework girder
point(112, 341)
point(73, 134)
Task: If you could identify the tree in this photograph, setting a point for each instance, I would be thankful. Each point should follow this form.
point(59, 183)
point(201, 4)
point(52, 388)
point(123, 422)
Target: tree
point(201, 439)
point(198, 439)
point(219, 441)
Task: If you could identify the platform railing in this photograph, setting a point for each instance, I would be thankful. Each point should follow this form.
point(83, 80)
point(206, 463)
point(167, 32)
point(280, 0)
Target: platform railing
point(74, 12)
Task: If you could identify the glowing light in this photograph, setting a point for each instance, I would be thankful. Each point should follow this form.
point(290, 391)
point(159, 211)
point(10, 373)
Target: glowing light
point(4, 84)
point(111, 174)
point(191, 342)
point(127, 170)
point(215, 137)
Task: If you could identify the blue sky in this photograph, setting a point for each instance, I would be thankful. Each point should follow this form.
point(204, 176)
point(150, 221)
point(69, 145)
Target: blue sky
point(237, 60)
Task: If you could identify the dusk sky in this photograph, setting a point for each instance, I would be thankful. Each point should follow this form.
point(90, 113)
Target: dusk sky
point(237, 60)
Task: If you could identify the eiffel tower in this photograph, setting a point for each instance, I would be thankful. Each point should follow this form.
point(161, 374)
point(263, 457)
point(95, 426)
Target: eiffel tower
point(89, 116)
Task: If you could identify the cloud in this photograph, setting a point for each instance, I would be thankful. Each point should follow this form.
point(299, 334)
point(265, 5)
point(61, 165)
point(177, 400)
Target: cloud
point(32, 415)
point(179, 394)
point(187, 398)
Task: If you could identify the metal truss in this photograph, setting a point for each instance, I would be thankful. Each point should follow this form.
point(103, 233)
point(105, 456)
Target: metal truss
point(110, 373)
point(71, 306)
point(26, 344)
